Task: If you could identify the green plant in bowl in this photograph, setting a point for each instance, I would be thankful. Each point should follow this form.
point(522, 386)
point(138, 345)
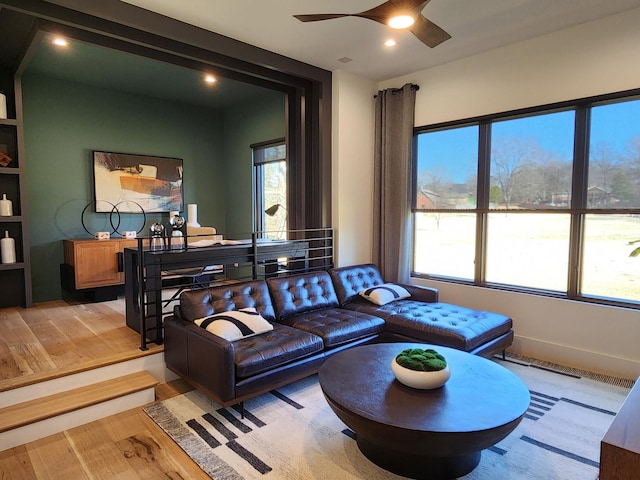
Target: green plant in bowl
point(422, 360)
point(420, 368)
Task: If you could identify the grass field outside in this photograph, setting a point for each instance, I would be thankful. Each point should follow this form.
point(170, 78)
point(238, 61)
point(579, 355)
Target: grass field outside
point(532, 250)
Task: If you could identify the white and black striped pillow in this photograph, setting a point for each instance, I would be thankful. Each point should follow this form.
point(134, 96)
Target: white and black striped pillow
point(385, 293)
point(235, 324)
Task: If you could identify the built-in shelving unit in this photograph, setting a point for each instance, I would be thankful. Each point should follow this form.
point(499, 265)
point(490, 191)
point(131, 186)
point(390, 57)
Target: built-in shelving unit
point(15, 278)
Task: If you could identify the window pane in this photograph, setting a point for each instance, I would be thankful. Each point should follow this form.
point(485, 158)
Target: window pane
point(447, 169)
point(444, 244)
point(614, 156)
point(270, 186)
point(528, 250)
point(531, 161)
point(607, 269)
point(277, 152)
point(275, 193)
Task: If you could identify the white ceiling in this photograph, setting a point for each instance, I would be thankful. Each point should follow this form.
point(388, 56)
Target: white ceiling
point(475, 25)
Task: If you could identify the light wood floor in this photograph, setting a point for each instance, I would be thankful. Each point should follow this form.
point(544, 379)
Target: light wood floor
point(128, 445)
point(54, 338)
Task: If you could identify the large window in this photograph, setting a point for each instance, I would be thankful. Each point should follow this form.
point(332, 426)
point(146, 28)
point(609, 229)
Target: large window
point(446, 190)
point(545, 200)
point(270, 184)
point(613, 200)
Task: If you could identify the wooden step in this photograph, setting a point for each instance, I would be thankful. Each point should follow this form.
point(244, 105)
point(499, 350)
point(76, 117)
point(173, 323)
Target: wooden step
point(79, 377)
point(33, 411)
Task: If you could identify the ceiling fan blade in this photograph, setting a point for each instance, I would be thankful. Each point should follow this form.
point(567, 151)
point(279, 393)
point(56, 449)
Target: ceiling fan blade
point(383, 12)
point(428, 32)
point(320, 16)
point(425, 30)
point(409, 4)
point(380, 14)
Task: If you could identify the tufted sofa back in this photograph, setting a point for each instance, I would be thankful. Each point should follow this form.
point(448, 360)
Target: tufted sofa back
point(200, 303)
point(302, 293)
point(350, 281)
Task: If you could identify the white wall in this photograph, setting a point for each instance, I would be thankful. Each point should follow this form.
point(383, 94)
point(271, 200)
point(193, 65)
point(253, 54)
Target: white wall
point(352, 172)
point(590, 59)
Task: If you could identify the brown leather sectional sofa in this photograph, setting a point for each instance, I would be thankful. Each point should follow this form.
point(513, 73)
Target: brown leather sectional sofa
point(314, 315)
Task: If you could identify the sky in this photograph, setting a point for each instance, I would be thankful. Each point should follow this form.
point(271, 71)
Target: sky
point(454, 152)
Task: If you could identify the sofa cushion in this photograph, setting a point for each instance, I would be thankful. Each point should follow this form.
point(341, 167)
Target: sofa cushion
point(235, 324)
point(297, 294)
point(385, 293)
point(337, 326)
point(204, 302)
point(350, 281)
point(283, 344)
point(444, 324)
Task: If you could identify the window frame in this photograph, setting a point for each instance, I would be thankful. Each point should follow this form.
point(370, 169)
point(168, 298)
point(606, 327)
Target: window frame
point(257, 150)
point(577, 210)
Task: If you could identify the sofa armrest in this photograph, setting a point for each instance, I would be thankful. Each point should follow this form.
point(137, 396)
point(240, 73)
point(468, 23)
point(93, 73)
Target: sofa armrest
point(203, 359)
point(422, 294)
point(175, 346)
point(211, 364)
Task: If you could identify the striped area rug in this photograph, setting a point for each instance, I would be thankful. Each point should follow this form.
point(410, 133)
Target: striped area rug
point(292, 434)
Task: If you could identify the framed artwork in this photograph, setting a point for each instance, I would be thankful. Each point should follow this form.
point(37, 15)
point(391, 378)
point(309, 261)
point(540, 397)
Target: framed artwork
point(131, 182)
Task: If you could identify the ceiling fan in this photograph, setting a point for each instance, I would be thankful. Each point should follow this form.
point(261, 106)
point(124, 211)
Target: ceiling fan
point(397, 14)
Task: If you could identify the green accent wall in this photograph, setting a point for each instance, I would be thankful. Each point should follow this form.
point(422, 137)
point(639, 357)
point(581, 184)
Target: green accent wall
point(64, 121)
point(253, 121)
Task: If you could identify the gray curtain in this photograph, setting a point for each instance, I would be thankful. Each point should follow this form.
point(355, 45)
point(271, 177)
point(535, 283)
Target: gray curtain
point(392, 219)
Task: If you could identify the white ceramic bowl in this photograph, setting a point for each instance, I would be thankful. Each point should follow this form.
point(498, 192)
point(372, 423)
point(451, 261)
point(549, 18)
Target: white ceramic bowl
point(418, 379)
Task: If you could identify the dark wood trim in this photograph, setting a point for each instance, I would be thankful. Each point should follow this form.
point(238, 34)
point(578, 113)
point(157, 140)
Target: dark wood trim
point(295, 156)
point(26, 251)
point(268, 143)
point(129, 28)
point(129, 21)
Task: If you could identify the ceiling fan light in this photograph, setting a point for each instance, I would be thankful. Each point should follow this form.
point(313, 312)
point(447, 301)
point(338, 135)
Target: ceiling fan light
point(401, 21)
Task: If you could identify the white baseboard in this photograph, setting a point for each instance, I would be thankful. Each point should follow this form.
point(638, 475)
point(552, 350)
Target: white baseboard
point(576, 358)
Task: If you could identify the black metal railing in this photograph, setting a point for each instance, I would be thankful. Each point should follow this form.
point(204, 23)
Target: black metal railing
point(155, 275)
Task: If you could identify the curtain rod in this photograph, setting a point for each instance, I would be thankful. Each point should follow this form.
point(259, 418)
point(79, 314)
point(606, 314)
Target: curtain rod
point(413, 86)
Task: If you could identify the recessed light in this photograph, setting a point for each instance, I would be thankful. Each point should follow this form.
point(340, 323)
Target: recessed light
point(60, 41)
point(390, 43)
point(401, 21)
point(210, 78)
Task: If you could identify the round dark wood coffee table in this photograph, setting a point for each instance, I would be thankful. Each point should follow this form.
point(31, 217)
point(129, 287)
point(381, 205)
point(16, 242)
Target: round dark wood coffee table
point(423, 434)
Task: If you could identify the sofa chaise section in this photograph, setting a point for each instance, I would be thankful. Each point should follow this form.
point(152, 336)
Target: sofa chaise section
point(421, 317)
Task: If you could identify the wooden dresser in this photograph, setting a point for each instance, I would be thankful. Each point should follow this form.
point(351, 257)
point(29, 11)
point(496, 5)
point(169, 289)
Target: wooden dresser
point(91, 263)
